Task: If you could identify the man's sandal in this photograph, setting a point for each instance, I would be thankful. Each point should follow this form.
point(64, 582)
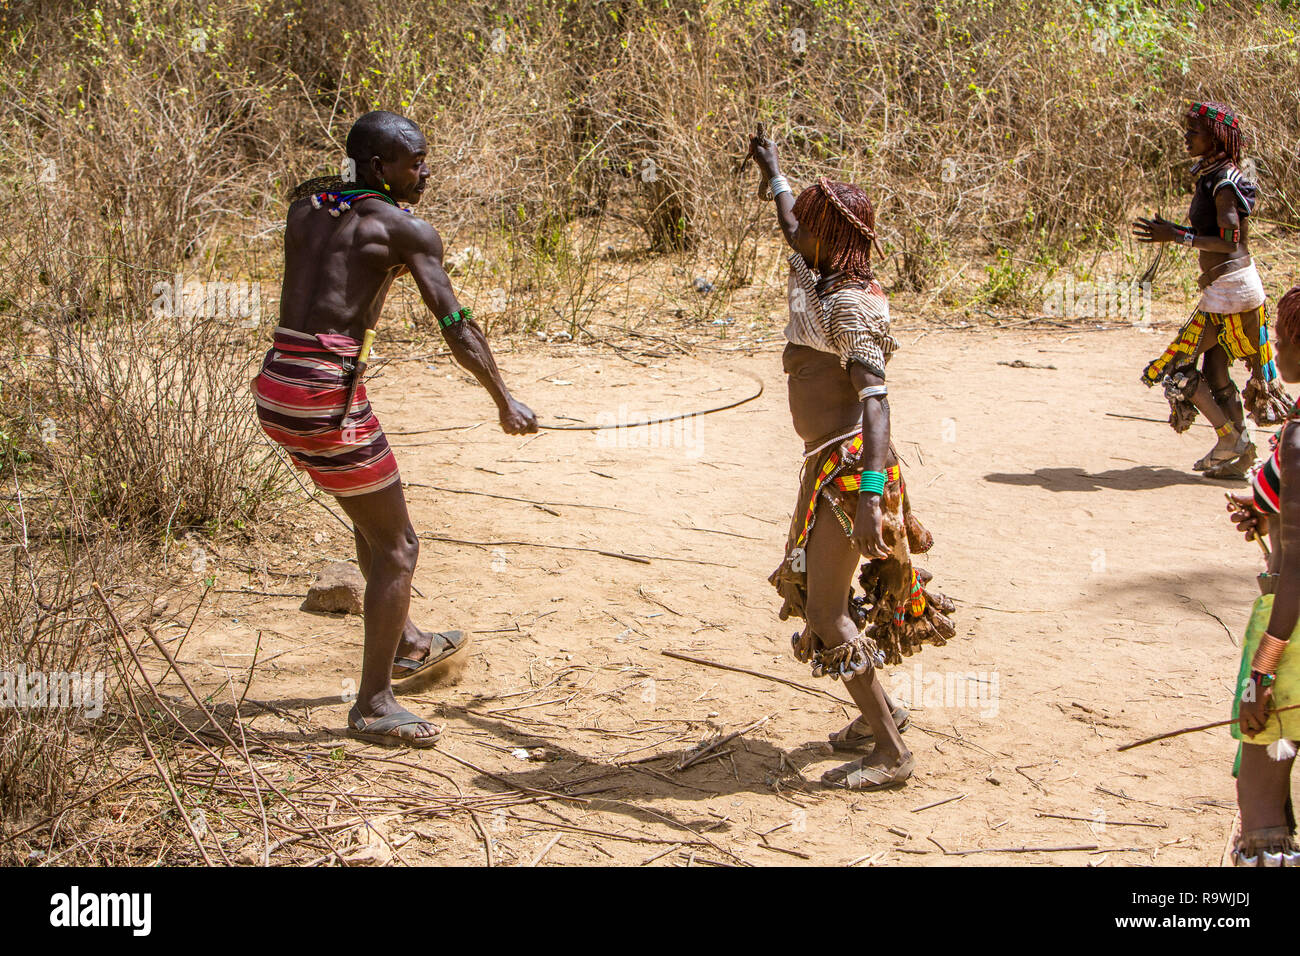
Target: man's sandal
point(453, 642)
point(864, 777)
point(387, 731)
point(857, 735)
point(1270, 846)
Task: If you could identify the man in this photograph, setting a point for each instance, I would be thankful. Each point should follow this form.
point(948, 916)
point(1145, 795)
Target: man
point(345, 243)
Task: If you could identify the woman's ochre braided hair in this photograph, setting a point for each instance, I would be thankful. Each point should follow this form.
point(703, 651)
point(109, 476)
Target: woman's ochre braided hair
point(842, 218)
point(1287, 327)
point(1224, 127)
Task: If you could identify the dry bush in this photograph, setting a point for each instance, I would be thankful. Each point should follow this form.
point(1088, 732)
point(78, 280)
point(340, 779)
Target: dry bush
point(144, 395)
point(1033, 129)
point(147, 138)
point(119, 423)
point(48, 627)
point(56, 742)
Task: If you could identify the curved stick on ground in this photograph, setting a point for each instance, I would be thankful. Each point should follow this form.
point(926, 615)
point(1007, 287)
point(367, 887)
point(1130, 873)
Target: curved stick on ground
point(660, 421)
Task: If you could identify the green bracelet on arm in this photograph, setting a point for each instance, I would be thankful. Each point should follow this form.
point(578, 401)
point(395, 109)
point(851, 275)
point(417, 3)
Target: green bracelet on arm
point(873, 482)
point(447, 321)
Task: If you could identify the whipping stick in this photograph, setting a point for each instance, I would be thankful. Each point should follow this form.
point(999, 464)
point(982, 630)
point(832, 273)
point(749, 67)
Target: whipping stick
point(362, 358)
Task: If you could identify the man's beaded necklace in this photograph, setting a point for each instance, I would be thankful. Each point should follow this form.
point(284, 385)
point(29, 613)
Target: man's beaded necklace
point(341, 200)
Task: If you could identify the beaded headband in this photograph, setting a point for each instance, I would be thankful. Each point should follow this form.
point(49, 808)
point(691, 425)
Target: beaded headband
point(1214, 113)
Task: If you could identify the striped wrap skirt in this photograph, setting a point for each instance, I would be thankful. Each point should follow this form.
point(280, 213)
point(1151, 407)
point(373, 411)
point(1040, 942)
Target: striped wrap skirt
point(300, 394)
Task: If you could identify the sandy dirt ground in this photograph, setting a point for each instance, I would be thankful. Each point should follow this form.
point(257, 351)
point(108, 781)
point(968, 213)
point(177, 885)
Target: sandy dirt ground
point(1101, 594)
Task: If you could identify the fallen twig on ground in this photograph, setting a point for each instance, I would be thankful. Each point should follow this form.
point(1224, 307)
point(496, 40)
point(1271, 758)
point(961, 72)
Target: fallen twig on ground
point(676, 655)
point(700, 754)
point(1191, 730)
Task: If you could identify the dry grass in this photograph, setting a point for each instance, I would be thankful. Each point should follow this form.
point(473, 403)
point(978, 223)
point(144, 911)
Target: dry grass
point(584, 146)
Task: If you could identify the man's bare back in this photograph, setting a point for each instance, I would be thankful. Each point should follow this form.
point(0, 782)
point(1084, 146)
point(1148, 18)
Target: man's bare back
point(337, 271)
point(343, 248)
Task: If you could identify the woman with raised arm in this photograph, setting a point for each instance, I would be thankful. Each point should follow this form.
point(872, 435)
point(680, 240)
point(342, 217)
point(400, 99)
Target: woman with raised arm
point(852, 503)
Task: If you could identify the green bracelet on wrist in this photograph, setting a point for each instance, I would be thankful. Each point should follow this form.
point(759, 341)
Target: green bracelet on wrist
point(873, 482)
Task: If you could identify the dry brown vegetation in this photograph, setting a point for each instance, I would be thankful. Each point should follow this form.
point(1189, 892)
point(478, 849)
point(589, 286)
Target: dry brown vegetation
point(582, 145)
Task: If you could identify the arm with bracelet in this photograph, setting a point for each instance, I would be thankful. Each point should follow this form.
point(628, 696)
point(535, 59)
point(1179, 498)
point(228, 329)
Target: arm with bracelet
point(468, 344)
point(1226, 238)
point(763, 151)
point(868, 524)
point(1158, 229)
point(1286, 595)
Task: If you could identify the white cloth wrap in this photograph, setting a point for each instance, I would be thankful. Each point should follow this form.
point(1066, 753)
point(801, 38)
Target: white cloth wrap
point(1240, 291)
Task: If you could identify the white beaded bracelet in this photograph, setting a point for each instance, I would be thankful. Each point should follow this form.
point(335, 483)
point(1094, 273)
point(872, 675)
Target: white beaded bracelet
point(778, 185)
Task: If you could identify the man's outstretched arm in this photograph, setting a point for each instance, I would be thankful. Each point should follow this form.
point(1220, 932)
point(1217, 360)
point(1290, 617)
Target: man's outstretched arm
point(421, 252)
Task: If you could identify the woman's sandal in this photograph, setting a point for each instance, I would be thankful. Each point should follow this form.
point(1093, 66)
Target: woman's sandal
point(857, 736)
point(1270, 846)
point(1215, 458)
point(1238, 467)
point(407, 668)
point(387, 731)
point(864, 777)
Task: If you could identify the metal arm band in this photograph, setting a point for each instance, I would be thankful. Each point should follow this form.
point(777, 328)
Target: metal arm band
point(1268, 655)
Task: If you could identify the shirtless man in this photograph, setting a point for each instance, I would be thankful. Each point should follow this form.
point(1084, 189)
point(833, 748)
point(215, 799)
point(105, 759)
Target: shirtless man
point(345, 243)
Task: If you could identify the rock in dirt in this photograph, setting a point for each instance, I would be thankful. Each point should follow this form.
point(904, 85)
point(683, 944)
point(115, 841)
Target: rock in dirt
point(249, 856)
point(340, 587)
